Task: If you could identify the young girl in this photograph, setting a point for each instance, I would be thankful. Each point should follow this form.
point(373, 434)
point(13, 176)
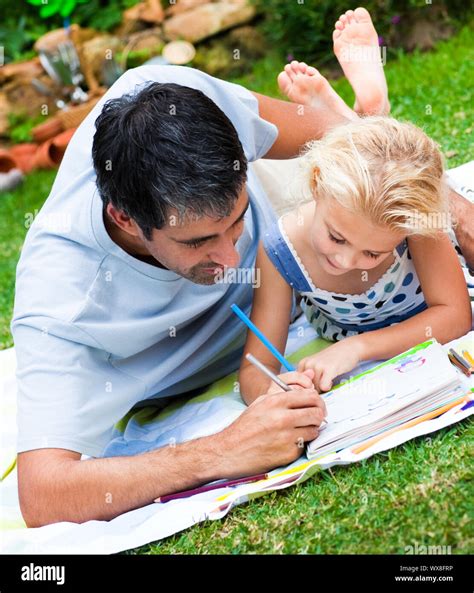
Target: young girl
point(369, 256)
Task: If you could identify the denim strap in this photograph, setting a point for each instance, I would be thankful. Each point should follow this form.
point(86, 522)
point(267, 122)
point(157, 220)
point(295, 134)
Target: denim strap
point(284, 261)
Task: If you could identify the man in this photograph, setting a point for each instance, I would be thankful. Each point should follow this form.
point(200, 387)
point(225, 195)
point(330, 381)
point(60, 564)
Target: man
point(116, 301)
point(116, 304)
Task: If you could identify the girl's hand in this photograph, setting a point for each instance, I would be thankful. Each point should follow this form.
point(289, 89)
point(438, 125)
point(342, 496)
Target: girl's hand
point(339, 358)
point(295, 380)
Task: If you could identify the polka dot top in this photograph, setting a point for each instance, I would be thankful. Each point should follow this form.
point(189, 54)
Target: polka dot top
point(394, 297)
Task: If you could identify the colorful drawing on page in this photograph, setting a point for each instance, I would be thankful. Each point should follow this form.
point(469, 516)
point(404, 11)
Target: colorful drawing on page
point(412, 362)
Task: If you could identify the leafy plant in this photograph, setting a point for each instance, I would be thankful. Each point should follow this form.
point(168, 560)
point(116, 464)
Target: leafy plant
point(103, 18)
point(62, 7)
point(21, 125)
point(15, 39)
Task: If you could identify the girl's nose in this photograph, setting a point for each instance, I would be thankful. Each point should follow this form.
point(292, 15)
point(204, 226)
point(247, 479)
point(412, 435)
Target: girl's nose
point(346, 260)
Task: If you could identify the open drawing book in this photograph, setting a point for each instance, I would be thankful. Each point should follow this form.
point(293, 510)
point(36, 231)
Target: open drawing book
point(393, 393)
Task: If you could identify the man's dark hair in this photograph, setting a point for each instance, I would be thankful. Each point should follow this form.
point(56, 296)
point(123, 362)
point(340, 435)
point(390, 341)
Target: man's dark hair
point(167, 147)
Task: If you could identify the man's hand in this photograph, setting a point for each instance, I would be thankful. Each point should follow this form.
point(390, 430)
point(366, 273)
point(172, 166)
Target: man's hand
point(294, 380)
point(463, 213)
point(272, 431)
point(339, 358)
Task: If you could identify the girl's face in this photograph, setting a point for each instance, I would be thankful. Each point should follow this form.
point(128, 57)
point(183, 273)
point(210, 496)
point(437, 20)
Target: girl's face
point(345, 241)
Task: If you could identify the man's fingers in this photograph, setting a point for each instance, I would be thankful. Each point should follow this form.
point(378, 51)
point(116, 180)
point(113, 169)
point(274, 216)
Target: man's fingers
point(303, 435)
point(303, 418)
point(304, 398)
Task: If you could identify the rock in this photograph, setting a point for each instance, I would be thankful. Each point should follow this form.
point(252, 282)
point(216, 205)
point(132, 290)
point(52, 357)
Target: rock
point(216, 60)
point(50, 41)
point(206, 20)
point(180, 6)
point(248, 40)
point(30, 69)
point(230, 54)
point(140, 47)
point(179, 52)
point(149, 11)
point(94, 53)
point(151, 39)
point(25, 99)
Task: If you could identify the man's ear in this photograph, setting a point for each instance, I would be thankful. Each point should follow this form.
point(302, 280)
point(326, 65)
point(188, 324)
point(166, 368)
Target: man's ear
point(122, 220)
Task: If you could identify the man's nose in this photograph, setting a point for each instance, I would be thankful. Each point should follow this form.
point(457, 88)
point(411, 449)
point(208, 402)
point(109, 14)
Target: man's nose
point(226, 254)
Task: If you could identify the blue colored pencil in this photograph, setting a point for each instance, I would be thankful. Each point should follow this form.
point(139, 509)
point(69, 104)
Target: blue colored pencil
point(241, 315)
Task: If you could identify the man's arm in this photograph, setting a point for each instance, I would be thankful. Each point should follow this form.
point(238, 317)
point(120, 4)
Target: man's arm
point(463, 213)
point(297, 124)
point(55, 485)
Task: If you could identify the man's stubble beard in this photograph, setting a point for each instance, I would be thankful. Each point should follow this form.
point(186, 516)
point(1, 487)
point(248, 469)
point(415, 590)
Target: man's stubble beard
point(200, 277)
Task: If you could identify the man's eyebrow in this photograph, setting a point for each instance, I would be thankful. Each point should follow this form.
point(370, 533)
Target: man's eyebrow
point(208, 237)
point(343, 239)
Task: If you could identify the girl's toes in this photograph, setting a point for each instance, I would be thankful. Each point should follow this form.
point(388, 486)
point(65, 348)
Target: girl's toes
point(335, 34)
point(343, 18)
point(303, 67)
point(289, 71)
point(295, 67)
point(339, 26)
point(350, 17)
point(311, 71)
point(284, 81)
point(361, 15)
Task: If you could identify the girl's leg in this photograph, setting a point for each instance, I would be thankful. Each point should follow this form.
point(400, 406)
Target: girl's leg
point(356, 45)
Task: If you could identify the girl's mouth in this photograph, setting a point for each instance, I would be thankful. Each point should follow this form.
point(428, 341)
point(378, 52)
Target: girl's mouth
point(331, 264)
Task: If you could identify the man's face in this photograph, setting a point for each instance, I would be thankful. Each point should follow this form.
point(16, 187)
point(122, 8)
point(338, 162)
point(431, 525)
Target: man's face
point(198, 249)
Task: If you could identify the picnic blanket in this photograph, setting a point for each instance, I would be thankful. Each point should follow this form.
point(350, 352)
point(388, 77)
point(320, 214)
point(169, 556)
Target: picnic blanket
point(150, 428)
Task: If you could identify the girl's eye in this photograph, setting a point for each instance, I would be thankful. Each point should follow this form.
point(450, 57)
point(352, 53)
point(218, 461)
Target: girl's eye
point(338, 241)
point(374, 255)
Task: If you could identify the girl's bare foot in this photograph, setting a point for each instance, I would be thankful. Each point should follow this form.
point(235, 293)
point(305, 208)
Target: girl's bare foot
point(356, 47)
point(305, 85)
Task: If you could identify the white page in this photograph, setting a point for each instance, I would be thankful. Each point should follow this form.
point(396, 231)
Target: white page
point(386, 390)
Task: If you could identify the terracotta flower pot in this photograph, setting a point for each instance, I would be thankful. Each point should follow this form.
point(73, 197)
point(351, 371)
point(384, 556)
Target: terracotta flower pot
point(50, 154)
point(7, 162)
point(23, 155)
point(50, 128)
point(59, 145)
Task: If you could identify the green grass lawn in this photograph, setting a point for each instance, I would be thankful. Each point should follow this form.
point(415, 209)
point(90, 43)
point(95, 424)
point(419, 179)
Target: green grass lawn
point(419, 493)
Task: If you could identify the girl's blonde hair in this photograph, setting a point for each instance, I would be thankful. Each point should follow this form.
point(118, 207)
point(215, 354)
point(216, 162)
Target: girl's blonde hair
point(390, 171)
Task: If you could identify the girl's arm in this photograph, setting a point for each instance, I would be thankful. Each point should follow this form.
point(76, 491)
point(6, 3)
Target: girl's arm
point(271, 311)
point(449, 311)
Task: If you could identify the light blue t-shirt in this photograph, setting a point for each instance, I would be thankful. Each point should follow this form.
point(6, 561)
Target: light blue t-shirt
point(96, 330)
